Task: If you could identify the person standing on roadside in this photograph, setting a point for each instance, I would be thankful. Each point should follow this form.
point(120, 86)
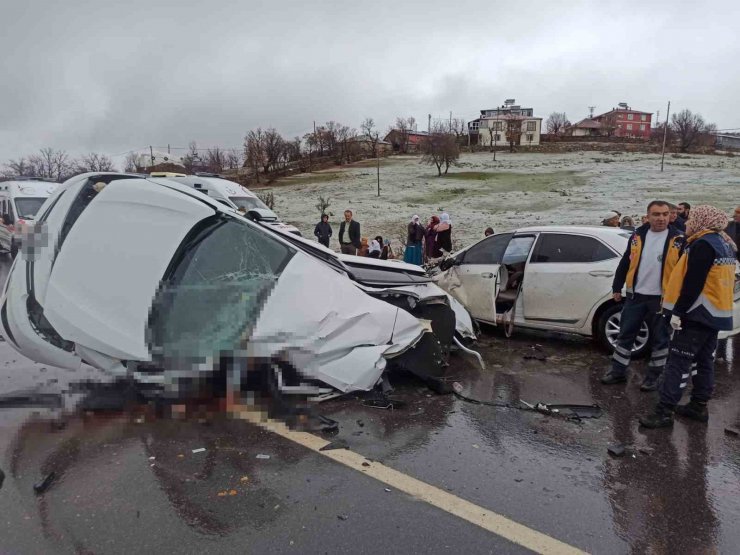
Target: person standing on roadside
point(488, 232)
point(444, 235)
point(684, 208)
point(652, 252)
point(699, 300)
point(414, 238)
point(430, 236)
point(733, 229)
point(674, 220)
point(322, 231)
point(349, 234)
point(611, 219)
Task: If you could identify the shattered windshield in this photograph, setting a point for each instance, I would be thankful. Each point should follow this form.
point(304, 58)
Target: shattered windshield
point(248, 203)
point(220, 281)
point(27, 207)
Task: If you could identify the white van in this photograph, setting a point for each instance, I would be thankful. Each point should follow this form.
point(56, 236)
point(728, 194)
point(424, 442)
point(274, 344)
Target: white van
point(236, 197)
point(20, 199)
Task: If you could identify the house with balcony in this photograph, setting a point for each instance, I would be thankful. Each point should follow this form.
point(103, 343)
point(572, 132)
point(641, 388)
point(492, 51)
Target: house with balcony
point(498, 125)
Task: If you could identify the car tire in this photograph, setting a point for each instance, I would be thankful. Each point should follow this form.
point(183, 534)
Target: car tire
point(608, 326)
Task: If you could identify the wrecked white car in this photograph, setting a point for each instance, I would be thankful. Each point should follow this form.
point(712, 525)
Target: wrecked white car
point(553, 278)
point(150, 278)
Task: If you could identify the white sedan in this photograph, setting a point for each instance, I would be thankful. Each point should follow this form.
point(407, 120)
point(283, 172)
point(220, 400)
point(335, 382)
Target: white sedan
point(555, 278)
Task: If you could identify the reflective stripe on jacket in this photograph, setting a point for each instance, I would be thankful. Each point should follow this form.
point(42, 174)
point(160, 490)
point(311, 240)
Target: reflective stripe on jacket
point(713, 307)
point(671, 254)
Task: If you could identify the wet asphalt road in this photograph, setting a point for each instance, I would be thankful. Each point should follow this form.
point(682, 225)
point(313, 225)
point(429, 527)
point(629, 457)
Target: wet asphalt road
point(680, 492)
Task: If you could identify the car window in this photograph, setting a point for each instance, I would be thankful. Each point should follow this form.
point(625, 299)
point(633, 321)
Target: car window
point(489, 251)
point(217, 285)
point(562, 247)
point(518, 248)
point(27, 207)
point(248, 203)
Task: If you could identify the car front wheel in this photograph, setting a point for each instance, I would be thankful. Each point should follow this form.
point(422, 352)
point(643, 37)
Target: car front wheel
point(607, 332)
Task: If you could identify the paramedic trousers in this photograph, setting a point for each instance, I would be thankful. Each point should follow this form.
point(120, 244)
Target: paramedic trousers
point(638, 309)
point(691, 356)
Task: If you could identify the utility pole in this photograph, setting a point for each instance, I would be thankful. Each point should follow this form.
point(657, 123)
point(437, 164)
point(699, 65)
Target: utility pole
point(429, 123)
point(450, 121)
point(495, 135)
point(151, 154)
point(665, 134)
point(168, 148)
point(377, 154)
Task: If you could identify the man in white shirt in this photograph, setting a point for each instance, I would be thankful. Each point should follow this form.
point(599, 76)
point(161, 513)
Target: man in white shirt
point(652, 252)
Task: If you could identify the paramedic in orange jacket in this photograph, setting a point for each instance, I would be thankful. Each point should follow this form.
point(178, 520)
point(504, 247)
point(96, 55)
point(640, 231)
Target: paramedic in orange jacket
point(699, 299)
point(652, 252)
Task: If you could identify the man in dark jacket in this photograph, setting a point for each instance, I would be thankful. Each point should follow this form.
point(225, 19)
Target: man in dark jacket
point(675, 220)
point(652, 252)
point(322, 231)
point(733, 230)
point(349, 234)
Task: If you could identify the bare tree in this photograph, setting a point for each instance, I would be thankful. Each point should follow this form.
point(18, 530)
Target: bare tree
point(215, 160)
point(514, 130)
point(459, 128)
point(440, 148)
point(131, 163)
point(323, 204)
point(273, 146)
point(608, 124)
point(689, 128)
point(254, 152)
point(19, 167)
point(51, 164)
point(402, 129)
point(368, 129)
point(192, 159)
point(234, 159)
point(94, 162)
point(556, 123)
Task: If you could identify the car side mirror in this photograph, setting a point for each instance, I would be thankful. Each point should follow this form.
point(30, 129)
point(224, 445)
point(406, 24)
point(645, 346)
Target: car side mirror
point(254, 215)
point(448, 263)
point(6, 219)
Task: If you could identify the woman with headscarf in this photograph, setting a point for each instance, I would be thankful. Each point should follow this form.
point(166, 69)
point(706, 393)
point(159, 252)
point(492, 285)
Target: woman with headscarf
point(413, 253)
point(374, 251)
point(444, 235)
point(699, 300)
point(430, 236)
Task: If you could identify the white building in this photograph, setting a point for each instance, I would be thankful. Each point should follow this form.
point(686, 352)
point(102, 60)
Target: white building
point(494, 126)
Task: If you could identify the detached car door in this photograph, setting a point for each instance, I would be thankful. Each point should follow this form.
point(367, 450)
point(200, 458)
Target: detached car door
point(566, 276)
point(478, 275)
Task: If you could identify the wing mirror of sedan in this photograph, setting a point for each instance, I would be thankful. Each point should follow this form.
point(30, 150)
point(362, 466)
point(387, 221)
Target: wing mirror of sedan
point(448, 263)
point(6, 219)
point(254, 215)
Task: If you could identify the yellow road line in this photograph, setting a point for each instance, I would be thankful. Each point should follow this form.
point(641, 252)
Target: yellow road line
point(484, 518)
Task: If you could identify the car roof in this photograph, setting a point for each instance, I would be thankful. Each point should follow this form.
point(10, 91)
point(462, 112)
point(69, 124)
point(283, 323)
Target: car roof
point(599, 231)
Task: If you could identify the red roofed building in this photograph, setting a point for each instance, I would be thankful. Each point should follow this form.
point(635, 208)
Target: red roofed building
point(623, 121)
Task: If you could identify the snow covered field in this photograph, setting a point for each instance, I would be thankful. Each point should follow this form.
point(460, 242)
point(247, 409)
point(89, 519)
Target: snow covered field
point(516, 190)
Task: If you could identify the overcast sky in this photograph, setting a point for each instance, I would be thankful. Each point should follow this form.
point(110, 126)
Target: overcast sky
point(109, 77)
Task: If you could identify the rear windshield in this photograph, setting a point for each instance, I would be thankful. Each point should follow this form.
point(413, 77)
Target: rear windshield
point(27, 207)
point(248, 203)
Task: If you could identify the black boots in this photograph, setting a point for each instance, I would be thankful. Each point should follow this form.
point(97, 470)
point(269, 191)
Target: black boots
point(661, 418)
point(694, 410)
point(610, 378)
point(650, 383)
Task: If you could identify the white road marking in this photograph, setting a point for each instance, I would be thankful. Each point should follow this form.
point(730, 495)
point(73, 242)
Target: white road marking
point(484, 518)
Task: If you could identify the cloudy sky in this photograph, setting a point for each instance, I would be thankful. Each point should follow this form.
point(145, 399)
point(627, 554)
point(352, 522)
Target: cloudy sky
point(110, 77)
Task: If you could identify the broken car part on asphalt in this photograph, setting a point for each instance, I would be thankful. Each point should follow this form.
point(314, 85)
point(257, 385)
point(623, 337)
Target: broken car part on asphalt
point(567, 411)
